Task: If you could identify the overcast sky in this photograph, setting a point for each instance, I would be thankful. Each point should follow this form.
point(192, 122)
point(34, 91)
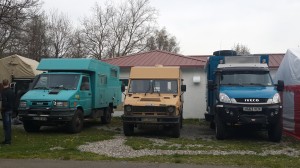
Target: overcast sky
point(203, 26)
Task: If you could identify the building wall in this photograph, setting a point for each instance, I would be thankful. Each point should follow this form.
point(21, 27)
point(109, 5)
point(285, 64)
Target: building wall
point(195, 96)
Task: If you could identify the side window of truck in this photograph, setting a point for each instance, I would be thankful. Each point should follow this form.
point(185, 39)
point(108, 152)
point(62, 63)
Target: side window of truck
point(113, 73)
point(85, 84)
point(103, 79)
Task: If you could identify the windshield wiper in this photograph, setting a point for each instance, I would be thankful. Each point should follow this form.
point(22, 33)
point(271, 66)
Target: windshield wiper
point(148, 89)
point(258, 84)
point(59, 87)
point(41, 87)
point(157, 92)
point(233, 84)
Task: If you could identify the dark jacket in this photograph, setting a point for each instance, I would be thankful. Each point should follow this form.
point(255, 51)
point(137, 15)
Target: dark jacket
point(8, 99)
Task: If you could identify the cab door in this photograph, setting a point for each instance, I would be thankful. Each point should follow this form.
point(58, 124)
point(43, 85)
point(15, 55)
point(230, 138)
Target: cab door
point(86, 94)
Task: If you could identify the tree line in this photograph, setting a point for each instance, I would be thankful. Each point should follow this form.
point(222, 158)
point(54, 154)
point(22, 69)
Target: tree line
point(111, 31)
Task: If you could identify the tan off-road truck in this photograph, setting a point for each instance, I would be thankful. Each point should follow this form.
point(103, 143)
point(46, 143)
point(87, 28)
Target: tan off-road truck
point(154, 97)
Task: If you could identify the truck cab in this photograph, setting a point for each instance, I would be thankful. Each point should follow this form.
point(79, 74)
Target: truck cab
point(70, 91)
point(154, 97)
point(241, 92)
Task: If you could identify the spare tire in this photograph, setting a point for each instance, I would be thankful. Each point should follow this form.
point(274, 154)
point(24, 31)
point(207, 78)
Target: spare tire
point(225, 53)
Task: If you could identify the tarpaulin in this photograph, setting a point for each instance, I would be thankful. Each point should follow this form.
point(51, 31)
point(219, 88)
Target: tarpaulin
point(289, 72)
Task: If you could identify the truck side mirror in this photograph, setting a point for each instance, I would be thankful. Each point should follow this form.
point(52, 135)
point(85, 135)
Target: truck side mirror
point(210, 85)
point(280, 85)
point(183, 88)
point(123, 88)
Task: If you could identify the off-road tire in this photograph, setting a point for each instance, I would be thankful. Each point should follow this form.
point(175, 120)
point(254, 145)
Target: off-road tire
point(106, 118)
point(31, 126)
point(176, 131)
point(181, 120)
point(220, 128)
point(128, 129)
point(76, 124)
point(275, 132)
point(212, 125)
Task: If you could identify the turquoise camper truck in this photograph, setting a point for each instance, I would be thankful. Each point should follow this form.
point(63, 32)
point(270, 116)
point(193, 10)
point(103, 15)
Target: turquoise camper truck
point(241, 92)
point(69, 91)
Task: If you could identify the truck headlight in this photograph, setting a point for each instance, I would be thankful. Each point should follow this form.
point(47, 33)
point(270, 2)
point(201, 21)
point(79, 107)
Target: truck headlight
point(23, 104)
point(171, 109)
point(224, 98)
point(61, 104)
point(128, 108)
point(276, 98)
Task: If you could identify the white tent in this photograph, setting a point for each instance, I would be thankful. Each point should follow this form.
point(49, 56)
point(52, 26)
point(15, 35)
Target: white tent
point(18, 66)
point(289, 72)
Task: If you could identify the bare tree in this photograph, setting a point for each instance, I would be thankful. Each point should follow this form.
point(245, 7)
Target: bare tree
point(35, 41)
point(97, 31)
point(241, 49)
point(77, 45)
point(138, 24)
point(162, 40)
point(59, 31)
point(119, 30)
point(13, 13)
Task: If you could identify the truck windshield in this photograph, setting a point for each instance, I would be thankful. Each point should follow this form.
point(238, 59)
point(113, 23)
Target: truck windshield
point(150, 86)
point(57, 81)
point(246, 78)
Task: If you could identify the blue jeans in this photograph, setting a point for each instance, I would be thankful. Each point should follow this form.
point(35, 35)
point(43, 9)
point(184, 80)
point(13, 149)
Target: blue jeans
point(6, 118)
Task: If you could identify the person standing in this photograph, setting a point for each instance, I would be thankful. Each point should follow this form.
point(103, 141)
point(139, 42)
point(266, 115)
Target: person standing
point(7, 108)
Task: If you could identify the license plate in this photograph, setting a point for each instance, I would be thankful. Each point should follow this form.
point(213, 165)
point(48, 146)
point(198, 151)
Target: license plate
point(149, 119)
point(40, 118)
point(252, 109)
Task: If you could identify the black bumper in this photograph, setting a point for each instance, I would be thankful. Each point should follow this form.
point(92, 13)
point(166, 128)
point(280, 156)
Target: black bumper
point(153, 120)
point(235, 114)
point(47, 117)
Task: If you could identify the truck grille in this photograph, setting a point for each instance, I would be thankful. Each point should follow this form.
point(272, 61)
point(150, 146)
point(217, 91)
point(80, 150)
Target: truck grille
point(40, 103)
point(149, 109)
point(251, 100)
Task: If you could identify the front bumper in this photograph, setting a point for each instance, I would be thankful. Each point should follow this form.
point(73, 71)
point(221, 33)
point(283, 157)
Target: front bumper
point(47, 116)
point(153, 120)
point(236, 114)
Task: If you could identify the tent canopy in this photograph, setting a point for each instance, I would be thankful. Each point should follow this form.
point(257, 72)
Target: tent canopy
point(18, 66)
point(289, 69)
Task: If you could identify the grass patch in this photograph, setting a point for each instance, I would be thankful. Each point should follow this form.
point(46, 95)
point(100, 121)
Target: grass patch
point(57, 144)
point(52, 144)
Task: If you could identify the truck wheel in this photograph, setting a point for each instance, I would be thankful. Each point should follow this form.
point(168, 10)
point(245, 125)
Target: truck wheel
point(176, 131)
point(76, 125)
point(30, 126)
point(106, 118)
point(181, 120)
point(128, 129)
point(212, 125)
point(275, 132)
point(220, 128)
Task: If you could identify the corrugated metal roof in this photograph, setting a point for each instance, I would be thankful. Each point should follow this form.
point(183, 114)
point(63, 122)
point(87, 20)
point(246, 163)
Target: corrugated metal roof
point(156, 57)
point(275, 60)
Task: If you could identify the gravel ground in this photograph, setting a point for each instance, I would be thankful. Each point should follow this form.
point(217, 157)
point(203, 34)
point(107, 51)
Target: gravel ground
point(116, 147)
